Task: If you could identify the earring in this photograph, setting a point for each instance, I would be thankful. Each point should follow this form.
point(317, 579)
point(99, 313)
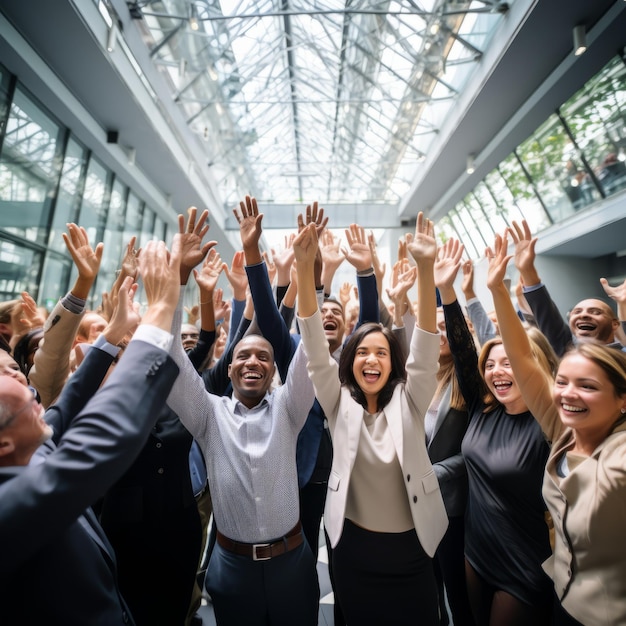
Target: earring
point(623, 410)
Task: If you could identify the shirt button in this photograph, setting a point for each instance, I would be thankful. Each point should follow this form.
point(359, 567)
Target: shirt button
point(408, 477)
point(414, 498)
point(160, 470)
point(159, 444)
point(257, 499)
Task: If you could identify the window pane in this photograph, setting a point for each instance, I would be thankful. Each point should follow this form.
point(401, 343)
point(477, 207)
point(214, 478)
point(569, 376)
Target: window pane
point(55, 280)
point(494, 215)
point(457, 224)
point(596, 116)
point(114, 244)
point(132, 226)
point(66, 206)
point(92, 213)
point(523, 196)
point(471, 229)
point(19, 270)
point(147, 226)
point(29, 169)
point(559, 176)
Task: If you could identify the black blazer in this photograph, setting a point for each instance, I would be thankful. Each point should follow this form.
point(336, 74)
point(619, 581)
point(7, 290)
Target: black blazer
point(444, 450)
point(56, 566)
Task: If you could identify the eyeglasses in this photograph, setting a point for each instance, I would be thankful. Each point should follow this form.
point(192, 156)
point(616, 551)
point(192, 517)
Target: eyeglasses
point(31, 401)
point(29, 404)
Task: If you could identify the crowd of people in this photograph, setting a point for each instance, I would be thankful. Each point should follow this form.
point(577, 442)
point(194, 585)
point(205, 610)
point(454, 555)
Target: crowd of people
point(466, 468)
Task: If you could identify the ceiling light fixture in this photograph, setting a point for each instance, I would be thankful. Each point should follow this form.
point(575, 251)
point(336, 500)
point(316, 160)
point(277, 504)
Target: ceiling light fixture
point(580, 39)
point(470, 165)
point(193, 19)
point(112, 38)
point(132, 155)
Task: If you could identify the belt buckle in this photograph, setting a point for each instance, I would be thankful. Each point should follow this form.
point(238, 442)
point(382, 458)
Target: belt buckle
point(255, 557)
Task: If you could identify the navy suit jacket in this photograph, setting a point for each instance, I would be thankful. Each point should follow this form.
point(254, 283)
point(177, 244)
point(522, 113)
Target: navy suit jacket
point(56, 565)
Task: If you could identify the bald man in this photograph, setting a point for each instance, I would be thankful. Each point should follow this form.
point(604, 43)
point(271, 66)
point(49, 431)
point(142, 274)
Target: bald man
point(589, 320)
point(57, 566)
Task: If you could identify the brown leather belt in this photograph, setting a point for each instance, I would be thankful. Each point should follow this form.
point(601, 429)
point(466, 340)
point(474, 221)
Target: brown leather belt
point(263, 551)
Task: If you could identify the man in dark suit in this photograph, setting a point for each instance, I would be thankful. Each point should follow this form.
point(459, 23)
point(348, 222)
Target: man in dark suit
point(57, 566)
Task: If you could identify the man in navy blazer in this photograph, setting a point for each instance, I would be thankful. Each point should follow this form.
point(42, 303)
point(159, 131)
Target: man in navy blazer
point(56, 565)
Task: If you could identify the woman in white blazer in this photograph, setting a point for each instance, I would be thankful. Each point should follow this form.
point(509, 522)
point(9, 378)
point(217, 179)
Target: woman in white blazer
point(384, 511)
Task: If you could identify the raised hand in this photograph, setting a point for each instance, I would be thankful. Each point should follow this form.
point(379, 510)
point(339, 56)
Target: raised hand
point(189, 241)
point(210, 272)
point(358, 253)
point(124, 317)
point(448, 263)
point(237, 276)
point(305, 248)
point(305, 245)
point(284, 260)
point(221, 308)
point(250, 229)
point(345, 292)
point(130, 265)
point(29, 316)
point(498, 258)
point(403, 278)
point(524, 257)
point(422, 246)
point(86, 259)
point(313, 215)
point(193, 314)
point(402, 251)
point(467, 286)
point(379, 268)
point(332, 256)
point(160, 273)
point(617, 293)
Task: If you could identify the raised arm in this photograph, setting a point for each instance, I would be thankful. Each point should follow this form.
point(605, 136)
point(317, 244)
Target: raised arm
point(534, 384)
point(268, 317)
point(423, 249)
point(103, 439)
point(484, 328)
point(618, 294)
point(460, 339)
point(52, 360)
point(84, 382)
point(359, 255)
point(547, 314)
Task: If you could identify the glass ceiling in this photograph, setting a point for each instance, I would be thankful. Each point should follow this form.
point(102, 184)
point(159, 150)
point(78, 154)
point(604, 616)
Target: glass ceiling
point(301, 99)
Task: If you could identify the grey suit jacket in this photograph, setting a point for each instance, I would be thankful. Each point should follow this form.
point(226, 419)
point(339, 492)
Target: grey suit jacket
point(57, 566)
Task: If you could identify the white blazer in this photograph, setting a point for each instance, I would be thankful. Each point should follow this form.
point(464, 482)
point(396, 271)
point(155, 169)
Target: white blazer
point(405, 415)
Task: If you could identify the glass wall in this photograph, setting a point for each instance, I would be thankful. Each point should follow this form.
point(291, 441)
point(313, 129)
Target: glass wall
point(47, 179)
point(574, 159)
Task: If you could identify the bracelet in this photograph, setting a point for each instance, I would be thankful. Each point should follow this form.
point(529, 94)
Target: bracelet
point(207, 302)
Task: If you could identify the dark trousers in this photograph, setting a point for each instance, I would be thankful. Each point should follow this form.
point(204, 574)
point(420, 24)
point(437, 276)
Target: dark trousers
point(384, 578)
point(282, 591)
point(450, 573)
point(561, 617)
point(312, 501)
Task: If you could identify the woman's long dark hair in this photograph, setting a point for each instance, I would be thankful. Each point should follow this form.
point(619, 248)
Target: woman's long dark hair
point(398, 370)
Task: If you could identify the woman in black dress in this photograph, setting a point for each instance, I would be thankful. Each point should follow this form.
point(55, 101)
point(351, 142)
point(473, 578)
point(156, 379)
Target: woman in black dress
point(506, 535)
